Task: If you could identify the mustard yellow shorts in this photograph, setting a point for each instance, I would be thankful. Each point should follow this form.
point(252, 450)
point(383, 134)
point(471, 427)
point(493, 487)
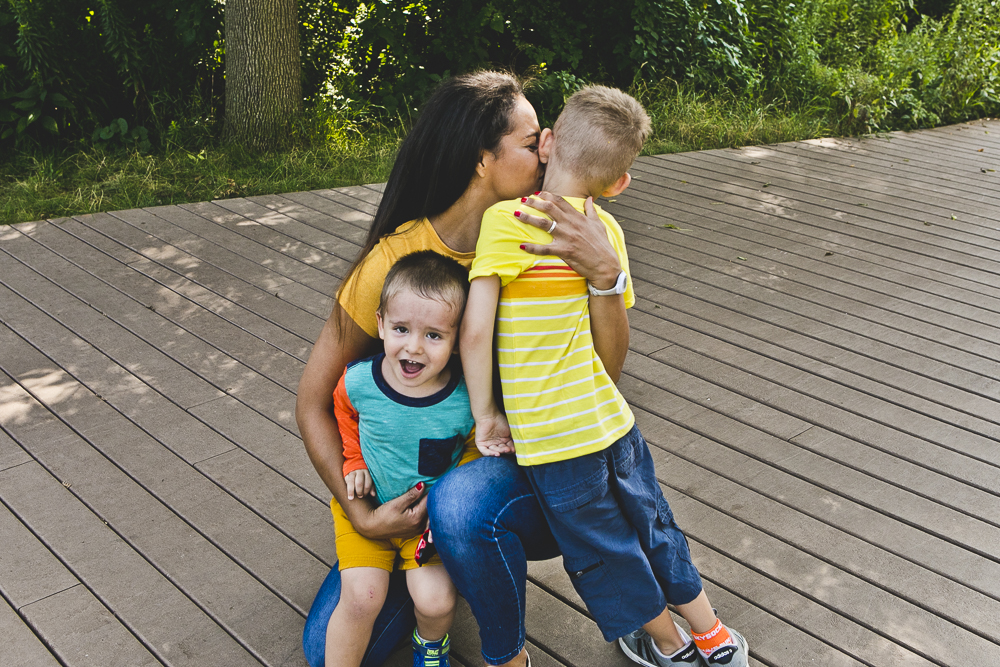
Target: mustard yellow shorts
point(355, 550)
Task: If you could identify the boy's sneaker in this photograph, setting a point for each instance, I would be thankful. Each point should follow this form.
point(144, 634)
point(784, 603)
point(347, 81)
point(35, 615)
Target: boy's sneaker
point(430, 654)
point(730, 656)
point(638, 646)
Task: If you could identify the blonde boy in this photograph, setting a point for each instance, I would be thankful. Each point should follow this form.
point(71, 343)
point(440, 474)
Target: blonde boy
point(568, 424)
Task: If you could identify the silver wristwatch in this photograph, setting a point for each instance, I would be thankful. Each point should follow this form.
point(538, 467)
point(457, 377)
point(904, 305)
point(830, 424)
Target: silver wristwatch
point(619, 287)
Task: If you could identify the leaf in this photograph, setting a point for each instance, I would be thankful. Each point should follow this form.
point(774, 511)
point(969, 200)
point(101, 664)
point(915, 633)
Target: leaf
point(670, 226)
point(954, 218)
point(828, 254)
point(766, 184)
point(742, 259)
point(49, 123)
point(980, 150)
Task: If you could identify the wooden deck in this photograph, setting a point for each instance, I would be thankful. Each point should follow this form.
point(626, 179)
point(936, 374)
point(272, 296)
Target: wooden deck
point(815, 363)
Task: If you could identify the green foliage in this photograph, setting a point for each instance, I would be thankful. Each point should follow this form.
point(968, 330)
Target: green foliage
point(700, 41)
point(394, 53)
point(117, 134)
point(105, 59)
point(20, 110)
point(861, 61)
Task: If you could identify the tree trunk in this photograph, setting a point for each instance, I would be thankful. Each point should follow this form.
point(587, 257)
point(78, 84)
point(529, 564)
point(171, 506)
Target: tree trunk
point(263, 85)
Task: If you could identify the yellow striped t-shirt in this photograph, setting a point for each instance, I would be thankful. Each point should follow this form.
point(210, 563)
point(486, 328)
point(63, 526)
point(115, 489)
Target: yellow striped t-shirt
point(560, 401)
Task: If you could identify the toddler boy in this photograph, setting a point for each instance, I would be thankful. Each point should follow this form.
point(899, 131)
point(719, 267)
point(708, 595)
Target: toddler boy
point(568, 424)
point(405, 420)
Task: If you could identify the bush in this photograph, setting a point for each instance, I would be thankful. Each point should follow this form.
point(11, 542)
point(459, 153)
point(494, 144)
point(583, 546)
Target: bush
point(70, 66)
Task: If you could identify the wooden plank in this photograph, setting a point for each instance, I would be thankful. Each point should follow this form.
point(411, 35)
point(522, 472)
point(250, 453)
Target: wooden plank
point(895, 229)
point(191, 353)
point(120, 612)
point(29, 572)
point(84, 633)
point(965, 220)
point(145, 547)
point(245, 536)
point(893, 461)
point(800, 252)
point(808, 234)
point(260, 242)
point(851, 228)
point(906, 315)
point(157, 369)
point(865, 171)
point(10, 454)
point(21, 647)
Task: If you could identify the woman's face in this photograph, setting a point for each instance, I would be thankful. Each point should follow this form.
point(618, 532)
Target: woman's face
point(515, 171)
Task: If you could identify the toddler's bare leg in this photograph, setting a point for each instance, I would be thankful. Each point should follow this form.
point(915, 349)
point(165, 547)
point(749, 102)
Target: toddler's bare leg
point(699, 615)
point(434, 600)
point(362, 594)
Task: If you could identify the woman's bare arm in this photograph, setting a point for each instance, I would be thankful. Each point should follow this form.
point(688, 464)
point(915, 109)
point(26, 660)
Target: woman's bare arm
point(582, 242)
point(336, 346)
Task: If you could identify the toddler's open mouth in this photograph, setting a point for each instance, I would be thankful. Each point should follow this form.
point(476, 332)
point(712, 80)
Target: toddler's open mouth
point(410, 368)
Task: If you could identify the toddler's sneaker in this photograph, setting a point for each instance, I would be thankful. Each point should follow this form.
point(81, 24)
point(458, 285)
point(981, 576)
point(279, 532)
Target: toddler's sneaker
point(430, 654)
point(730, 656)
point(638, 646)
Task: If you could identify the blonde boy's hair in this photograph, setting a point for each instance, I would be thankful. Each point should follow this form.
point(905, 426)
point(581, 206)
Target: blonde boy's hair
point(599, 134)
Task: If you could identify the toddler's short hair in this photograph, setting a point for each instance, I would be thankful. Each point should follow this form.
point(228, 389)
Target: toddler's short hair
point(599, 134)
point(429, 274)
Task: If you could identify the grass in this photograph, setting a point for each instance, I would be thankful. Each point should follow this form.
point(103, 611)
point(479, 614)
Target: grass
point(334, 151)
point(43, 184)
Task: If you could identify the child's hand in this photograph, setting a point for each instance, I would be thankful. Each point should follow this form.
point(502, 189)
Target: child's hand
point(493, 436)
point(359, 484)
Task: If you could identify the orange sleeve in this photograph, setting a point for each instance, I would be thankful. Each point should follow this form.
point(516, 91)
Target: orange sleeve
point(347, 422)
point(471, 452)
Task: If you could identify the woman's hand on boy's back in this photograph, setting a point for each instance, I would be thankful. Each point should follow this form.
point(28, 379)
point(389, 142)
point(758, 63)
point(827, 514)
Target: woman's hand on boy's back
point(579, 240)
point(582, 242)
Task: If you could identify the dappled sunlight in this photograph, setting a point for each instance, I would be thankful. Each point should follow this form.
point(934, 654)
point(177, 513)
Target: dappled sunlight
point(757, 152)
point(175, 257)
point(273, 219)
point(9, 233)
point(16, 406)
point(51, 387)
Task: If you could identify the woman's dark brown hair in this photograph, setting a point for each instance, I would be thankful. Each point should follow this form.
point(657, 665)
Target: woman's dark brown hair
point(465, 116)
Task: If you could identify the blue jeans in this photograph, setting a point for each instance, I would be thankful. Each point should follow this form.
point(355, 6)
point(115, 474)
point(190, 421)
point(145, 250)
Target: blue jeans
point(487, 524)
point(621, 546)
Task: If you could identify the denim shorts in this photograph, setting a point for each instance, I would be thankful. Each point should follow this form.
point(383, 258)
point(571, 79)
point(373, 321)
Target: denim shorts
point(621, 547)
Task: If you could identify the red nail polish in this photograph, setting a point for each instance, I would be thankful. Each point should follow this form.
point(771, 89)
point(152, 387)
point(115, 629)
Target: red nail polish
point(517, 214)
point(524, 199)
point(522, 246)
point(539, 192)
point(420, 486)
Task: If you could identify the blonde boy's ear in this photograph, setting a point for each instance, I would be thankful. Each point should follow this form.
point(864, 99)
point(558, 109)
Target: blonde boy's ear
point(381, 329)
point(546, 141)
point(618, 186)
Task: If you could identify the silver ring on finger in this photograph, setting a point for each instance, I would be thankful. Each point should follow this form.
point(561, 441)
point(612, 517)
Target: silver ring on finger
point(553, 227)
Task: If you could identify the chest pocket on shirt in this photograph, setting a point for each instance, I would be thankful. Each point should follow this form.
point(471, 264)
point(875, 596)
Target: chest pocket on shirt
point(435, 455)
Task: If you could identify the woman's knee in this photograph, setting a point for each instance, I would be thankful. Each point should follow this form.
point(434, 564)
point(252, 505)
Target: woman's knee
point(468, 500)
